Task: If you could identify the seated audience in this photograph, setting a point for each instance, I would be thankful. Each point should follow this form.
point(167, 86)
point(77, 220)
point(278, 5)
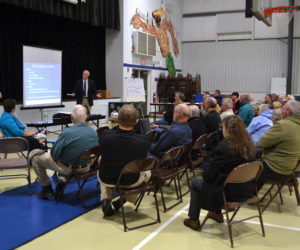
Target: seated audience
point(196, 123)
point(12, 127)
point(246, 111)
point(260, 124)
point(226, 108)
point(291, 97)
point(235, 102)
point(282, 99)
point(168, 115)
point(64, 155)
point(206, 93)
point(218, 97)
point(178, 135)
point(268, 99)
point(119, 147)
point(203, 112)
point(281, 145)
point(276, 105)
point(276, 115)
point(274, 97)
point(206, 191)
point(212, 120)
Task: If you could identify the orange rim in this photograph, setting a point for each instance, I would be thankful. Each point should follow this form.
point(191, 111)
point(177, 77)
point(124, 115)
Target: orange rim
point(280, 9)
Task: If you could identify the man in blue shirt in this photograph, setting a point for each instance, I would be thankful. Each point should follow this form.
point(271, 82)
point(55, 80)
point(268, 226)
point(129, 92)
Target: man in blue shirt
point(246, 111)
point(178, 135)
point(64, 154)
point(260, 124)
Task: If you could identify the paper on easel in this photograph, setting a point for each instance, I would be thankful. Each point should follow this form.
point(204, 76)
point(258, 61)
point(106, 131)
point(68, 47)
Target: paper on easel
point(135, 90)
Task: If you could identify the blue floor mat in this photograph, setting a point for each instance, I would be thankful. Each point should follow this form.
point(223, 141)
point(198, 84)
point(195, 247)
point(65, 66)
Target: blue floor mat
point(24, 217)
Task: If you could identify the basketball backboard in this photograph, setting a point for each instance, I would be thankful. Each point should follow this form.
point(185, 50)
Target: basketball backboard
point(256, 8)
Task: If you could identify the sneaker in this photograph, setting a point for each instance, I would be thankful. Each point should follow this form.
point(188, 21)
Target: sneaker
point(46, 193)
point(107, 207)
point(193, 224)
point(216, 217)
point(59, 190)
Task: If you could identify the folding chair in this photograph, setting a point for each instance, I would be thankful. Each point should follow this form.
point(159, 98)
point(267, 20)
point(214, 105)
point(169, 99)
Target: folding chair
point(197, 147)
point(290, 181)
point(15, 145)
point(90, 154)
point(136, 167)
point(210, 144)
point(168, 170)
point(241, 174)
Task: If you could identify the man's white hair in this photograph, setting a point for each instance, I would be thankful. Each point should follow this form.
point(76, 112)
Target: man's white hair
point(79, 114)
point(293, 106)
point(245, 96)
point(277, 114)
point(264, 107)
point(194, 111)
point(228, 102)
point(183, 109)
point(87, 71)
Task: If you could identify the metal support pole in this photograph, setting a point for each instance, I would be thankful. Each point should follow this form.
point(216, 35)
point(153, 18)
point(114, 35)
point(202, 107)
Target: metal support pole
point(290, 53)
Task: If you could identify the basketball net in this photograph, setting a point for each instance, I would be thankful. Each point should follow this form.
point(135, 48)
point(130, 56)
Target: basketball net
point(282, 16)
point(282, 21)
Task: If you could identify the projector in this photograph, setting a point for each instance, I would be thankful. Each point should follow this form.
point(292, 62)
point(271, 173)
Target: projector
point(71, 1)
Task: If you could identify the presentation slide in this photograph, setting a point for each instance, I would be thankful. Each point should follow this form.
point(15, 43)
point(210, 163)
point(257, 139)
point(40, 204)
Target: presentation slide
point(41, 77)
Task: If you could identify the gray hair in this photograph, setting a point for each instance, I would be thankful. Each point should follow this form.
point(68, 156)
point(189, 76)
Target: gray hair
point(194, 111)
point(79, 114)
point(87, 71)
point(183, 109)
point(227, 102)
point(211, 102)
point(294, 106)
point(291, 97)
point(276, 114)
point(264, 107)
point(246, 96)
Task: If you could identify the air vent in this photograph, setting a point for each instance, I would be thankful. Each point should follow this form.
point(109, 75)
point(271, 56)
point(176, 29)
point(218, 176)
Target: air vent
point(144, 44)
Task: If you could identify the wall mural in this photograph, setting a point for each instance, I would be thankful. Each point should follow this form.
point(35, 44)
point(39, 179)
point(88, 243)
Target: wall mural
point(162, 25)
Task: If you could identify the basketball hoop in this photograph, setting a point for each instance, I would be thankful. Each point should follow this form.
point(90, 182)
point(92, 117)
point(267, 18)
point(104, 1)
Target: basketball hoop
point(284, 15)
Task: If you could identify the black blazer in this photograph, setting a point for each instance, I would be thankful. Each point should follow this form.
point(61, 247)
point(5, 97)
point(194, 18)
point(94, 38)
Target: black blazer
point(78, 90)
point(222, 163)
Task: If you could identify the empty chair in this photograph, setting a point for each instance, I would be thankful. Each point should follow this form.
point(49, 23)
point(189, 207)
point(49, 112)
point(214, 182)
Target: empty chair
point(15, 145)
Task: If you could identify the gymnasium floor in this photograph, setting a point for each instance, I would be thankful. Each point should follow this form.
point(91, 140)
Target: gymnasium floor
point(91, 231)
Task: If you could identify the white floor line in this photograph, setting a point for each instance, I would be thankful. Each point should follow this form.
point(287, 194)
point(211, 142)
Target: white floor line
point(162, 227)
point(265, 224)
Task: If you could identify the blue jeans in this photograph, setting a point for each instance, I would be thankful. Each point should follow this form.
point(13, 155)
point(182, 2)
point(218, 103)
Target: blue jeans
point(161, 122)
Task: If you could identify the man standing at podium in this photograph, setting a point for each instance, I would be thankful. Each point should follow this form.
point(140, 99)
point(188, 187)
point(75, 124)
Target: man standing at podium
point(85, 91)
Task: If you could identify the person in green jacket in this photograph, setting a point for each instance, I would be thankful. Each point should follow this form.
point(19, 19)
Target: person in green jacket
point(281, 145)
point(246, 111)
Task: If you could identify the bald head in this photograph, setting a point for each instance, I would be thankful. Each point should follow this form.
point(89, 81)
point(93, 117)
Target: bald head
point(181, 113)
point(79, 114)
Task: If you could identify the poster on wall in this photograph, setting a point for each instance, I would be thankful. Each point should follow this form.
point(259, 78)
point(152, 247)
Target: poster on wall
point(159, 26)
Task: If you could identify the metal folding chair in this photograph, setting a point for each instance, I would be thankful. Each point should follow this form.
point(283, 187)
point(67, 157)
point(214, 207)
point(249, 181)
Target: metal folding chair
point(241, 174)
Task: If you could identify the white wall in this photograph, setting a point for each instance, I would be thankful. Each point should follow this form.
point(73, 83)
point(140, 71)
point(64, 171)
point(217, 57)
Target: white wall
point(146, 6)
point(208, 25)
point(237, 65)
